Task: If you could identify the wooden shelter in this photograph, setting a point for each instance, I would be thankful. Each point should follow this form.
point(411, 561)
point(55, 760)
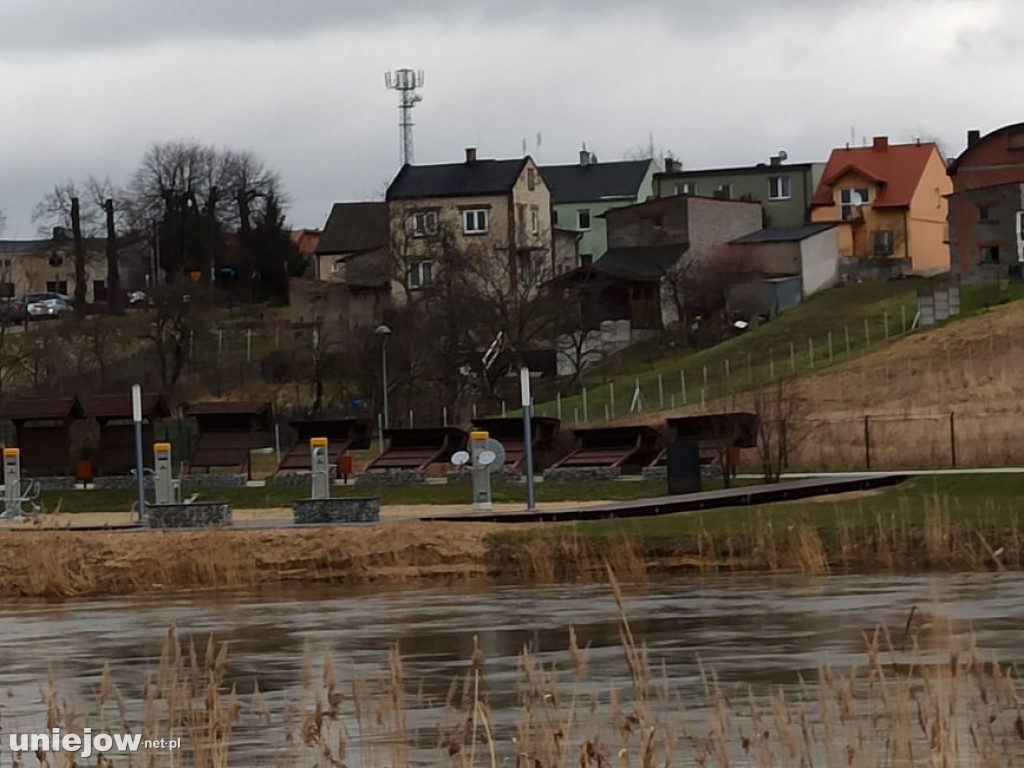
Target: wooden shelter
point(227, 432)
point(43, 428)
point(509, 432)
point(114, 415)
point(416, 448)
point(342, 435)
point(615, 447)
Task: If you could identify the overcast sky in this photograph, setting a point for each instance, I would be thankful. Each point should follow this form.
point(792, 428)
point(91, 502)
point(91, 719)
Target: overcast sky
point(87, 86)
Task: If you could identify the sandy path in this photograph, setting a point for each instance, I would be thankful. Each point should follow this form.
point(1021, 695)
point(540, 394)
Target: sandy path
point(391, 512)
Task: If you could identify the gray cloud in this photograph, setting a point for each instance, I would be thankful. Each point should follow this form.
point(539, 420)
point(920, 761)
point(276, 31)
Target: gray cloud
point(61, 25)
point(87, 86)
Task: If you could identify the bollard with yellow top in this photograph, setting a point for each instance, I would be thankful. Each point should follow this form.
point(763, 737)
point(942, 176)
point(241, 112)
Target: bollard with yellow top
point(481, 471)
point(320, 466)
point(12, 482)
point(163, 474)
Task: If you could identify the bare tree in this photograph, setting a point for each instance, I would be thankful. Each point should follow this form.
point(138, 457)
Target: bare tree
point(698, 286)
point(171, 326)
point(779, 432)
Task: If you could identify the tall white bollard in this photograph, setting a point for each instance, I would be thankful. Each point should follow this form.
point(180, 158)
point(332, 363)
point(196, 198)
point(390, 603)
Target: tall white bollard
point(481, 472)
point(321, 471)
point(163, 474)
point(12, 482)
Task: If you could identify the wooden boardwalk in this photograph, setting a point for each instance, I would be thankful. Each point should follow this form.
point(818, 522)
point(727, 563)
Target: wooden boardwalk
point(746, 495)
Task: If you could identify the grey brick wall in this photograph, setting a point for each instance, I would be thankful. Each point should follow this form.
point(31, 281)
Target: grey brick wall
point(968, 233)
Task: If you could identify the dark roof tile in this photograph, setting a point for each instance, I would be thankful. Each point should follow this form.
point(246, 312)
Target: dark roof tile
point(480, 177)
point(355, 227)
point(597, 181)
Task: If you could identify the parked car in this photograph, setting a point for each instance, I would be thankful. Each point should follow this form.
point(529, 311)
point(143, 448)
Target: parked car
point(47, 305)
point(13, 310)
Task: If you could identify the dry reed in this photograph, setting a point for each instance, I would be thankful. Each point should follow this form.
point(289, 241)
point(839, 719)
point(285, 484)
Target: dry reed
point(925, 696)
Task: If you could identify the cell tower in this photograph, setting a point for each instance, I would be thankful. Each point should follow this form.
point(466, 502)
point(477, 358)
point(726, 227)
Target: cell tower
point(405, 81)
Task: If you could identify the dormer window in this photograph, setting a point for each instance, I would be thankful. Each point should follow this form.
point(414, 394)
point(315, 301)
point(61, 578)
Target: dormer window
point(56, 259)
point(849, 199)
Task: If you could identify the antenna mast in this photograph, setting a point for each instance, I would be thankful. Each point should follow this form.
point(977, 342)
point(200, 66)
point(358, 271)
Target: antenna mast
point(405, 81)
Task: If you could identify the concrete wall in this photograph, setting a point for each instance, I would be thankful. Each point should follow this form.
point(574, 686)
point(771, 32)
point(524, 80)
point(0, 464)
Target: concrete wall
point(714, 222)
point(819, 261)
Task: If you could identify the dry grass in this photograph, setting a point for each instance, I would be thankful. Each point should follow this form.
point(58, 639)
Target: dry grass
point(926, 697)
point(75, 564)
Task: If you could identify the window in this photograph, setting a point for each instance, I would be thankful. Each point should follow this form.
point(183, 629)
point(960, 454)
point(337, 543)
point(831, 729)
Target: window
point(724, 191)
point(882, 242)
point(985, 215)
point(990, 254)
point(686, 188)
point(474, 222)
point(424, 223)
point(850, 199)
point(420, 274)
point(525, 268)
point(99, 290)
point(535, 220)
point(57, 286)
point(8, 262)
point(583, 218)
point(56, 260)
point(586, 259)
point(337, 266)
point(7, 290)
point(531, 179)
point(554, 217)
point(779, 188)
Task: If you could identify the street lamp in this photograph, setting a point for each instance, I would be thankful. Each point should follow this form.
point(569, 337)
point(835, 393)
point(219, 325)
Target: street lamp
point(384, 332)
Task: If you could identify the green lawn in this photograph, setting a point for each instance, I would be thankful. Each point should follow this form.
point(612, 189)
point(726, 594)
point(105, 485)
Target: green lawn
point(283, 496)
point(829, 327)
point(989, 500)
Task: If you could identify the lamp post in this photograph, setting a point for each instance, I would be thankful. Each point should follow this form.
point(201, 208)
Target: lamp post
point(140, 479)
point(524, 386)
point(384, 332)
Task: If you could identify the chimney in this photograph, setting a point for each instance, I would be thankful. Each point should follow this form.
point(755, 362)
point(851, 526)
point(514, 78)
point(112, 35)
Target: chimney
point(973, 137)
point(880, 143)
point(470, 154)
point(584, 158)
point(775, 160)
point(59, 233)
point(672, 165)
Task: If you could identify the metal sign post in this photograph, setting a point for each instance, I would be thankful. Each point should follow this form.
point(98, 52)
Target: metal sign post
point(524, 386)
point(139, 469)
point(321, 472)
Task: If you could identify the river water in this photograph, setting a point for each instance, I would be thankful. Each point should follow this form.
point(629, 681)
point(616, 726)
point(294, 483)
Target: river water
point(761, 631)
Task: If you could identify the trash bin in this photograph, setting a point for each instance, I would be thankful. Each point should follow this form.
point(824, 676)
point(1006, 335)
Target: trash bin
point(683, 467)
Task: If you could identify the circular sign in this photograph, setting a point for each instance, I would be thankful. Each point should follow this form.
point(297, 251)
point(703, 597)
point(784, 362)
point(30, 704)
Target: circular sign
point(459, 458)
point(486, 458)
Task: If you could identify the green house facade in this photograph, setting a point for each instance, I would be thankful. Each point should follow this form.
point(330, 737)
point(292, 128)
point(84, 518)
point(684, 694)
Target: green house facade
point(785, 190)
point(583, 192)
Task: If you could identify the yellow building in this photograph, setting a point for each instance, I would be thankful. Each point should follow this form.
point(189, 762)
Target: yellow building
point(889, 202)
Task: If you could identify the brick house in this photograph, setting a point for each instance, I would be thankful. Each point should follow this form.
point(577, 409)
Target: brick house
point(986, 209)
point(497, 213)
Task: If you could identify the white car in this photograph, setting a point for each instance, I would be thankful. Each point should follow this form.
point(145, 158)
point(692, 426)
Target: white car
point(44, 305)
